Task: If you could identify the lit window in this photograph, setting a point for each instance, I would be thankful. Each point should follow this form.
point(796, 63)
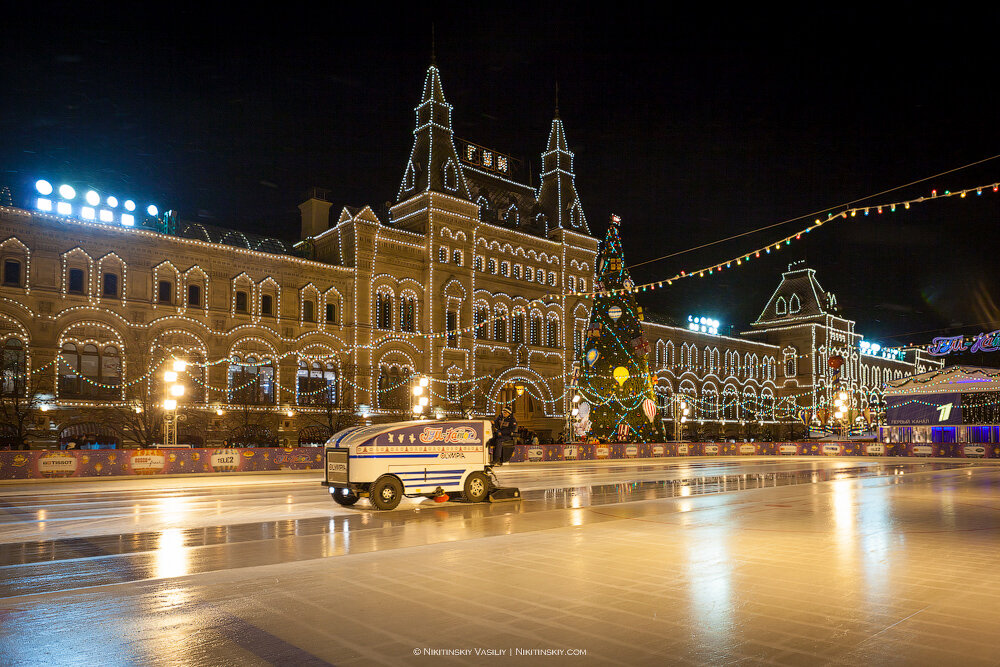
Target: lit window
point(267, 305)
point(194, 295)
point(241, 302)
point(308, 313)
point(331, 312)
point(76, 281)
point(12, 273)
point(109, 284)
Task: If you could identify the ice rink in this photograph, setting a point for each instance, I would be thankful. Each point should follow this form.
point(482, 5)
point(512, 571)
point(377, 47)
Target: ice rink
point(700, 561)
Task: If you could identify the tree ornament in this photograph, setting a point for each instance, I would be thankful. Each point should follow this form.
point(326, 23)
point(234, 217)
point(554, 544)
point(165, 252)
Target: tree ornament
point(615, 312)
point(620, 375)
point(649, 409)
point(592, 356)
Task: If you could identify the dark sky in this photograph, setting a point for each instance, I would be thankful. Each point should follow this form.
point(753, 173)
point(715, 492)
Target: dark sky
point(692, 126)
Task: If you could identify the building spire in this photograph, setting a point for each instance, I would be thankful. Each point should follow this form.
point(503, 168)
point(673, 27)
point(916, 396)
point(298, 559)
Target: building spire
point(557, 99)
point(433, 48)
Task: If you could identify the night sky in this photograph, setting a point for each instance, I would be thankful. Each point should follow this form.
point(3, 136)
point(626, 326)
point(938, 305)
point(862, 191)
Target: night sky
point(693, 127)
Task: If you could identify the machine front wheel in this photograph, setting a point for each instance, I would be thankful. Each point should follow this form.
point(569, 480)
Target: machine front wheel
point(386, 493)
point(477, 487)
point(345, 497)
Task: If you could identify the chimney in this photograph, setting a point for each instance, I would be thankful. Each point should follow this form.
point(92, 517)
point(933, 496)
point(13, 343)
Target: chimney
point(315, 213)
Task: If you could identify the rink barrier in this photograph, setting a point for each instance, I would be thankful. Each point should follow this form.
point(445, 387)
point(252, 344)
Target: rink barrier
point(41, 464)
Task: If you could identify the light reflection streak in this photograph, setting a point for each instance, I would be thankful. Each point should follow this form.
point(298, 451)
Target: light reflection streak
point(170, 557)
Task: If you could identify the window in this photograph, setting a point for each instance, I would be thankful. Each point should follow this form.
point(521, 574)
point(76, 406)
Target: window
point(89, 372)
point(393, 388)
point(492, 266)
point(779, 306)
point(456, 257)
point(477, 263)
point(316, 384)
point(12, 272)
point(453, 391)
point(251, 382)
point(383, 311)
point(241, 301)
point(13, 372)
point(481, 326)
point(443, 255)
point(194, 295)
point(529, 274)
point(76, 281)
point(552, 332)
point(500, 329)
point(165, 292)
point(552, 278)
point(109, 284)
point(535, 331)
point(331, 313)
point(505, 269)
point(571, 283)
point(451, 325)
point(517, 271)
point(267, 305)
point(308, 311)
point(517, 328)
point(583, 285)
point(408, 313)
point(541, 277)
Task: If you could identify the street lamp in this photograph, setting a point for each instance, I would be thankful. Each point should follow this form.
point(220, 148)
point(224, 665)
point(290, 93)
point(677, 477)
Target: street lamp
point(419, 400)
point(174, 391)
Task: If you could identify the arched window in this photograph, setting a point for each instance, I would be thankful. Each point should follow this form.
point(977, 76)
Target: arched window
point(408, 313)
point(535, 330)
point(779, 306)
point(251, 381)
point(517, 327)
point(89, 372)
point(552, 332)
point(571, 284)
point(517, 271)
point(14, 371)
point(504, 269)
point(481, 315)
point(316, 383)
point(730, 403)
point(529, 274)
point(393, 388)
point(500, 327)
point(583, 284)
point(456, 257)
point(790, 362)
point(794, 305)
point(492, 266)
point(443, 255)
point(383, 310)
point(477, 263)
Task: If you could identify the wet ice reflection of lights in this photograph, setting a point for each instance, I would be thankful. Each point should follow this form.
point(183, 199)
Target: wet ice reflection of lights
point(709, 567)
point(171, 558)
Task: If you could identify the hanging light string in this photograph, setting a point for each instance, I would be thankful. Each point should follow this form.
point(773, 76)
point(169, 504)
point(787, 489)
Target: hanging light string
point(815, 213)
point(776, 245)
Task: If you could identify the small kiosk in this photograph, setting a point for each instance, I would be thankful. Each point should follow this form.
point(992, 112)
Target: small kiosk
point(952, 411)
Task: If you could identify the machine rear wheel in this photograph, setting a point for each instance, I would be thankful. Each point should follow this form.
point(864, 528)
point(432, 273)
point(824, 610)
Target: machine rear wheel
point(477, 487)
point(386, 493)
point(345, 497)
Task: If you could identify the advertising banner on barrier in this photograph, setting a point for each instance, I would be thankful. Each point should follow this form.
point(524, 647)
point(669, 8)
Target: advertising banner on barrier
point(42, 464)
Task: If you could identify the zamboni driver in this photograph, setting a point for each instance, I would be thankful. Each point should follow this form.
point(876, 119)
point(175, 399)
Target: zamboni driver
point(504, 427)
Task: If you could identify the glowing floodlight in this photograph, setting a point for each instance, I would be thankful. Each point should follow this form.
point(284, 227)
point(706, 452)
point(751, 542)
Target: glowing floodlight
point(43, 187)
point(88, 213)
point(170, 404)
point(177, 390)
point(417, 391)
point(129, 205)
point(180, 365)
point(152, 210)
point(63, 208)
point(423, 400)
point(128, 220)
point(92, 198)
point(44, 204)
point(424, 381)
point(170, 376)
point(106, 215)
point(66, 191)
point(112, 201)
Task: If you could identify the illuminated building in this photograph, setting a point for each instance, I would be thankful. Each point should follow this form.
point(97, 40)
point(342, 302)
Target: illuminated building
point(448, 283)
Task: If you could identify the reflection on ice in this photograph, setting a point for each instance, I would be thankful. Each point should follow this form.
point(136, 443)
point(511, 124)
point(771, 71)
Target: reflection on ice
point(171, 558)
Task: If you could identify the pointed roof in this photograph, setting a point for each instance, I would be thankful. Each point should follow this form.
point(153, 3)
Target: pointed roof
point(557, 194)
point(433, 165)
point(799, 296)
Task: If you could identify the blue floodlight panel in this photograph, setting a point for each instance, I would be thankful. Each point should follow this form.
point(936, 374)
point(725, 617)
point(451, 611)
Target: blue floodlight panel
point(129, 205)
point(106, 215)
point(92, 198)
point(87, 213)
point(112, 202)
point(44, 204)
point(43, 187)
point(62, 208)
point(128, 220)
point(66, 191)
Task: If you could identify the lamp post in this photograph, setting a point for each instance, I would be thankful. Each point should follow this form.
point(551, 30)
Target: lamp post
point(572, 415)
point(174, 391)
point(418, 398)
point(681, 412)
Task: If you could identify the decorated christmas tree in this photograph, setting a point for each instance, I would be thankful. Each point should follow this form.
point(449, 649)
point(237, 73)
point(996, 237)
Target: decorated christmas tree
point(618, 398)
